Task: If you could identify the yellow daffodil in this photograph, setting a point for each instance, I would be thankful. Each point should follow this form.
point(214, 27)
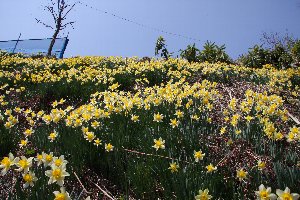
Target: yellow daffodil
point(28, 132)
point(211, 168)
point(24, 164)
point(261, 165)
point(29, 179)
point(62, 194)
point(198, 155)
point(241, 174)
point(287, 195)
point(23, 143)
point(265, 193)
point(47, 159)
point(135, 118)
point(97, 142)
point(223, 130)
point(52, 136)
point(174, 167)
point(159, 144)
point(57, 174)
point(39, 159)
point(174, 123)
point(59, 161)
point(6, 163)
point(179, 114)
point(203, 195)
point(158, 117)
point(108, 147)
point(89, 136)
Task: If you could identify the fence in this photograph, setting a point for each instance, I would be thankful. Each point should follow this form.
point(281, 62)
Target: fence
point(35, 46)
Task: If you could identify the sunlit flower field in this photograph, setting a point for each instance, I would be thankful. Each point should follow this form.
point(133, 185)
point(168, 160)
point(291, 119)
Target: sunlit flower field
point(128, 128)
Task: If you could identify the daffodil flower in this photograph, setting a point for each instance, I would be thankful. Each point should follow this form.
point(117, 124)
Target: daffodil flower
point(159, 144)
point(29, 179)
point(287, 195)
point(6, 163)
point(203, 195)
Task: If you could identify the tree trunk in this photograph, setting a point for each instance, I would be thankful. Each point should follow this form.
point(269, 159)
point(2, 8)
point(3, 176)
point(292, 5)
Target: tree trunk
point(52, 42)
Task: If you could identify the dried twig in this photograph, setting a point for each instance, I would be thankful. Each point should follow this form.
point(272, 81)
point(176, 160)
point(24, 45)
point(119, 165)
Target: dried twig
point(148, 154)
point(293, 118)
point(81, 184)
point(103, 191)
point(220, 162)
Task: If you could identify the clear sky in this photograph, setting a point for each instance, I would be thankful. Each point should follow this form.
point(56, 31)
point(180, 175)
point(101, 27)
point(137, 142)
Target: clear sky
point(238, 24)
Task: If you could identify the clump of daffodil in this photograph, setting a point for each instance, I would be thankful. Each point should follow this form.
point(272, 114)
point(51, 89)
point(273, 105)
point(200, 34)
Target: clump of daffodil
point(241, 174)
point(174, 167)
point(62, 194)
point(159, 144)
point(211, 168)
point(203, 195)
point(29, 179)
point(286, 194)
point(264, 193)
point(198, 155)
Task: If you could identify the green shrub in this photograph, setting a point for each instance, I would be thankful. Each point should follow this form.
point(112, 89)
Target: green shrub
point(213, 53)
point(161, 48)
point(295, 51)
point(191, 53)
point(256, 57)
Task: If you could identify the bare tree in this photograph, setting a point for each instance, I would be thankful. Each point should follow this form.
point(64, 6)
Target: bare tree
point(59, 10)
point(271, 40)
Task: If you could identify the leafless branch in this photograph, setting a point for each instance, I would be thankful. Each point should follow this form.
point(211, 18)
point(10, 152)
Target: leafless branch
point(274, 39)
point(71, 8)
point(65, 25)
point(53, 13)
point(40, 22)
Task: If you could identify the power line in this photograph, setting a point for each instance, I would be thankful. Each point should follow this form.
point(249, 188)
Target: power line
point(140, 24)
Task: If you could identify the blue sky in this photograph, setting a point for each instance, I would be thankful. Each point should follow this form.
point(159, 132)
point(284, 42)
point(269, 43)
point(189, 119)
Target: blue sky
point(238, 24)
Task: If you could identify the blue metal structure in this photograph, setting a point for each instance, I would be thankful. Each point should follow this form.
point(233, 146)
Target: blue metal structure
point(35, 46)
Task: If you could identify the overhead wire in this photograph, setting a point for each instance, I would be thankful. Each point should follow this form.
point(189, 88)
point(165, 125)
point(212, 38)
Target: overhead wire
point(139, 24)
